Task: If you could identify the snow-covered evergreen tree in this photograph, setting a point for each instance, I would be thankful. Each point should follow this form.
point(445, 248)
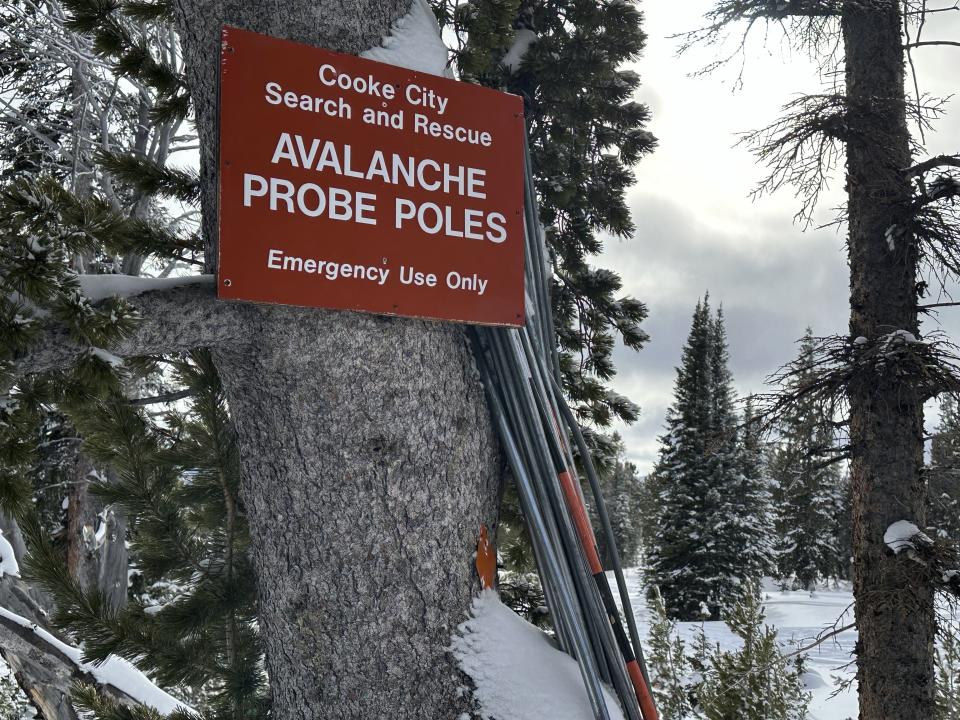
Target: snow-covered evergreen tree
point(740, 525)
point(943, 473)
point(679, 482)
point(709, 533)
point(808, 489)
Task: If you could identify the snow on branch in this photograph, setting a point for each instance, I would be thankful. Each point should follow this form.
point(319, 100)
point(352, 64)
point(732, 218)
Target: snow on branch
point(904, 535)
point(116, 676)
point(940, 557)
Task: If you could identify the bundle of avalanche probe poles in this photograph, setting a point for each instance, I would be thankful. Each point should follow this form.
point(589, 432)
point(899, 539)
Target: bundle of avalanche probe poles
point(521, 373)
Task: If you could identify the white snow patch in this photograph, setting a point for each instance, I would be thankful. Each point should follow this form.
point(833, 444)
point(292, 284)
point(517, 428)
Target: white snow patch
point(799, 618)
point(860, 340)
point(115, 671)
point(519, 673)
point(414, 43)
point(521, 43)
point(100, 287)
point(108, 357)
point(891, 236)
point(8, 559)
point(902, 336)
point(901, 535)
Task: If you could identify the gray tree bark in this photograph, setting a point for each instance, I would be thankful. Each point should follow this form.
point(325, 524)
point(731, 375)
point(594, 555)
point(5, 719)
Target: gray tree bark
point(894, 608)
point(367, 453)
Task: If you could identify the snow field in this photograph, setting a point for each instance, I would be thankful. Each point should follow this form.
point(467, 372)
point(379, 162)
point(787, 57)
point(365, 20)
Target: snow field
point(800, 618)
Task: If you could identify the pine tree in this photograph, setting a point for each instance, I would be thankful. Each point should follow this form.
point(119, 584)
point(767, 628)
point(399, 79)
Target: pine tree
point(192, 621)
point(586, 132)
point(740, 524)
point(947, 659)
point(752, 501)
point(754, 682)
point(621, 489)
point(710, 533)
point(943, 474)
point(284, 390)
point(678, 483)
point(902, 231)
point(809, 493)
point(667, 663)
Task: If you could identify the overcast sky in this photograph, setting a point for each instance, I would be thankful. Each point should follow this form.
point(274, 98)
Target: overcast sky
point(698, 230)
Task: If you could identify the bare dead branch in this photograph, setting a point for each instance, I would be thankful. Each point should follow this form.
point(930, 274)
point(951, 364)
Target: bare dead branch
point(821, 639)
point(164, 398)
point(937, 305)
point(937, 161)
point(925, 43)
point(802, 147)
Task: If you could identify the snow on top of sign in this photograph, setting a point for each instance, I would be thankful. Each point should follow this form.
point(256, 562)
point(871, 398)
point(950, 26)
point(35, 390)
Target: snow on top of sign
point(518, 672)
point(414, 43)
point(115, 671)
point(99, 287)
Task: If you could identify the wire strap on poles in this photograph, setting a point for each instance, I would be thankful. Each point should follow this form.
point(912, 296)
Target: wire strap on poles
point(520, 370)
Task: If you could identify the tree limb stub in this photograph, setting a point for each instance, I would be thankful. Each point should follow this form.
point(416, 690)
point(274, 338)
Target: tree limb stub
point(172, 320)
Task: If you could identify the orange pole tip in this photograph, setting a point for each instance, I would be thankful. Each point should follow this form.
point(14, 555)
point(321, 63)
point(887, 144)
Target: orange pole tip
point(486, 560)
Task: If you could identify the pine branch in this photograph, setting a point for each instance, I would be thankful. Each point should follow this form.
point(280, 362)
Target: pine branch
point(150, 178)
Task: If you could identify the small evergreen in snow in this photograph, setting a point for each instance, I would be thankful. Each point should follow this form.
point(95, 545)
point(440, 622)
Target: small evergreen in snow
point(755, 682)
point(667, 664)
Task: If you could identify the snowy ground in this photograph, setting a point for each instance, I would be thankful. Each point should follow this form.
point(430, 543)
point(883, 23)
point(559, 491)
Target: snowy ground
point(520, 675)
point(800, 617)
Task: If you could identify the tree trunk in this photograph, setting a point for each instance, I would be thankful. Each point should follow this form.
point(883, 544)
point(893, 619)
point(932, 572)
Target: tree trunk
point(367, 453)
point(894, 608)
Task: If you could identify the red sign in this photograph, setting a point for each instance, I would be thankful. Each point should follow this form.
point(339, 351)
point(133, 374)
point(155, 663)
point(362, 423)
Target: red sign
point(352, 184)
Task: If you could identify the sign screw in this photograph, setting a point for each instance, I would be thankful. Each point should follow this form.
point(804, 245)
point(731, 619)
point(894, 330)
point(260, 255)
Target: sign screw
point(384, 261)
point(227, 282)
